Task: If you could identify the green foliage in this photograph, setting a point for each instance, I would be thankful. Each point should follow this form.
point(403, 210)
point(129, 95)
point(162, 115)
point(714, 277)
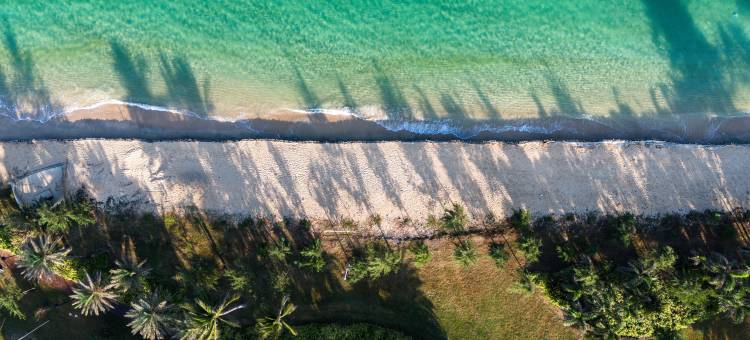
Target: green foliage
point(281, 282)
point(203, 320)
point(280, 250)
point(40, 257)
point(151, 316)
point(11, 239)
point(129, 276)
point(59, 219)
point(274, 327)
point(239, 280)
point(379, 261)
point(170, 220)
point(454, 219)
point(626, 228)
point(531, 248)
point(521, 220)
point(465, 253)
point(616, 293)
point(421, 253)
point(70, 269)
point(498, 254)
point(93, 296)
point(525, 284)
point(10, 294)
point(313, 257)
point(357, 331)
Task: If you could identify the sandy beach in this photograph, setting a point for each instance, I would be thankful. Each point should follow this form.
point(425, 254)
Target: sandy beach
point(331, 181)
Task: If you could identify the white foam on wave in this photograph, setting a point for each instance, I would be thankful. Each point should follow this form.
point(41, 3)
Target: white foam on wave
point(453, 128)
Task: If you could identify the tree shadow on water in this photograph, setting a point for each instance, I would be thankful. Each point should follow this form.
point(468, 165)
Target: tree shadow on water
point(23, 91)
point(698, 73)
point(183, 90)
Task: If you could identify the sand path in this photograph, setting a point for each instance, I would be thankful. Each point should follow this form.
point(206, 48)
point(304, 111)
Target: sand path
point(396, 179)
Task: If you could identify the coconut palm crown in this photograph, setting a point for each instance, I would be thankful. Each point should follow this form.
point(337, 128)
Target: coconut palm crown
point(40, 256)
point(151, 316)
point(203, 322)
point(129, 275)
point(272, 328)
point(93, 296)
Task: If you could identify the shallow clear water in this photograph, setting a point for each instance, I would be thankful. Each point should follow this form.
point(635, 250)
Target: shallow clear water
point(464, 60)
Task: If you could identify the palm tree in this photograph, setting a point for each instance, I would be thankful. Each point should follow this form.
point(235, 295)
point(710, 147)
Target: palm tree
point(454, 219)
point(40, 256)
point(129, 275)
point(93, 296)
point(272, 328)
point(575, 316)
point(151, 316)
point(313, 257)
point(381, 262)
point(724, 272)
point(465, 253)
point(203, 322)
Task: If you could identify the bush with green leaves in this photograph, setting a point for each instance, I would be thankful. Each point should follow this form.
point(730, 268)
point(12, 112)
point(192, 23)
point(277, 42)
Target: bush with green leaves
point(465, 253)
point(280, 250)
point(379, 260)
point(626, 228)
point(521, 220)
point(421, 253)
point(498, 253)
point(60, 218)
point(531, 248)
point(313, 257)
point(239, 280)
point(10, 295)
point(454, 219)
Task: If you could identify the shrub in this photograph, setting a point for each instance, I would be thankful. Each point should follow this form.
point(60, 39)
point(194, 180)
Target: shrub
point(626, 228)
point(313, 257)
point(498, 254)
point(10, 294)
point(59, 219)
point(421, 253)
point(379, 260)
point(521, 220)
point(531, 248)
point(281, 282)
point(280, 250)
point(454, 219)
point(239, 280)
point(465, 253)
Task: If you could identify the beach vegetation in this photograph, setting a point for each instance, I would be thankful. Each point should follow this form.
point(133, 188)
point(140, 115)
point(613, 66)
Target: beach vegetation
point(274, 327)
point(40, 257)
point(454, 219)
point(498, 253)
point(465, 253)
point(313, 257)
point(152, 316)
point(94, 296)
point(204, 321)
point(421, 253)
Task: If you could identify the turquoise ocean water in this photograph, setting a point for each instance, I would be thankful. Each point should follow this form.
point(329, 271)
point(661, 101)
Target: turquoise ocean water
point(402, 60)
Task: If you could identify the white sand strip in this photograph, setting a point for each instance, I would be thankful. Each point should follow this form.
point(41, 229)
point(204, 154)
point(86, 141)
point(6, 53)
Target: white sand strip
point(396, 179)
